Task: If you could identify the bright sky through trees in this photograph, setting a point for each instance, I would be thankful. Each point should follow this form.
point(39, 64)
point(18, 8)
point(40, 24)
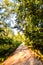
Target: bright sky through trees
point(10, 20)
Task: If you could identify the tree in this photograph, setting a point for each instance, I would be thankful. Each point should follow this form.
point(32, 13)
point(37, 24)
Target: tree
point(30, 17)
point(8, 42)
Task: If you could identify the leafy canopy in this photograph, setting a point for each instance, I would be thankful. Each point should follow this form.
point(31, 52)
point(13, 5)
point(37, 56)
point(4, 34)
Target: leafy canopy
point(30, 17)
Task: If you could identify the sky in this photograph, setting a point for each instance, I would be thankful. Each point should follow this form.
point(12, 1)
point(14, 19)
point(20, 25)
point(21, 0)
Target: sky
point(0, 0)
point(9, 0)
point(11, 20)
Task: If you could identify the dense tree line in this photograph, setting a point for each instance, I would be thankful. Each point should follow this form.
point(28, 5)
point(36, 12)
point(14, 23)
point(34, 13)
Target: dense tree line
point(29, 20)
point(30, 17)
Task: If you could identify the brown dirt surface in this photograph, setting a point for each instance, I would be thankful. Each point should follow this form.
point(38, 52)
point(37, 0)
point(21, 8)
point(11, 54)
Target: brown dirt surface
point(22, 56)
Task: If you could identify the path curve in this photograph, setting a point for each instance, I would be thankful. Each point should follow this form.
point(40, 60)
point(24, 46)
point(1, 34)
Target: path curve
point(22, 56)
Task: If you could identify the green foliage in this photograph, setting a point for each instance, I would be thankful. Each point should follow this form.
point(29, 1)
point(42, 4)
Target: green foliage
point(31, 11)
point(7, 43)
point(29, 18)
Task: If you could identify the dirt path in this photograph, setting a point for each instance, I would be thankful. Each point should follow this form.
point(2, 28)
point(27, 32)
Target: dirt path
point(22, 56)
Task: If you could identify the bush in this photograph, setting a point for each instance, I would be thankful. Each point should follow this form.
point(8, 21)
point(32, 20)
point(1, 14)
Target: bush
point(35, 42)
point(7, 44)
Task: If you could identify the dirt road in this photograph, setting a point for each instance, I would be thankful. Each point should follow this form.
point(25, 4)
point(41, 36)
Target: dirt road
point(22, 56)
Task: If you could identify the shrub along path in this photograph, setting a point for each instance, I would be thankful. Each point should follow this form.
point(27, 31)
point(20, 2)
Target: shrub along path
point(22, 56)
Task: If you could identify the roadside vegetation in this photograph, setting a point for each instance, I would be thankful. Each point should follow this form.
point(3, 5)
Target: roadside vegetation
point(7, 43)
point(29, 20)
